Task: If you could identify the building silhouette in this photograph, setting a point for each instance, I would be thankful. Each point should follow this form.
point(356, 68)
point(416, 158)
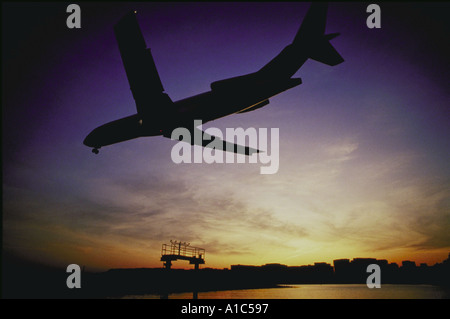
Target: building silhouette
point(138, 281)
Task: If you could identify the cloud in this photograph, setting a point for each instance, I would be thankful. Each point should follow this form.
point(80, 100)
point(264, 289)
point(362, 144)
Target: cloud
point(142, 213)
point(340, 150)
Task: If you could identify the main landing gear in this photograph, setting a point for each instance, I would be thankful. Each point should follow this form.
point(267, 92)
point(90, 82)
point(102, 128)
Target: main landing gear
point(95, 150)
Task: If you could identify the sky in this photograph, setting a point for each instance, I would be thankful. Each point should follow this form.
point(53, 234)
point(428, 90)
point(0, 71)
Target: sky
point(364, 146)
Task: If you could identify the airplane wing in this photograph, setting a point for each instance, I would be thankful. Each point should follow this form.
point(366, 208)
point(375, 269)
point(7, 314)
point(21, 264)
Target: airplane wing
point(227, 146)
point(207, 141)
point(139, 65)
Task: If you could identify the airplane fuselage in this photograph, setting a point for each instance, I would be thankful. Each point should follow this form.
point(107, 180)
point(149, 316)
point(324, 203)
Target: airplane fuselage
point(207, 106)
point(157, 114)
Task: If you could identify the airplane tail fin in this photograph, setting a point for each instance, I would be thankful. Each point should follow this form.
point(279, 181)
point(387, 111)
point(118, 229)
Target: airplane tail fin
point(310, 42)
point(312, 38)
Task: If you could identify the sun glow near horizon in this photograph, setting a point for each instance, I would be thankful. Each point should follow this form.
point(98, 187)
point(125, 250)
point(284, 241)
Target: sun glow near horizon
point(363, 150)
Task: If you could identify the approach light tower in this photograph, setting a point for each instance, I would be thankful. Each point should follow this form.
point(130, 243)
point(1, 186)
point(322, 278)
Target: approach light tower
point(182, 250)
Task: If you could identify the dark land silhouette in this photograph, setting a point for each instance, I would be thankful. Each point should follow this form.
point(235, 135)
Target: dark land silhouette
point(26, 280)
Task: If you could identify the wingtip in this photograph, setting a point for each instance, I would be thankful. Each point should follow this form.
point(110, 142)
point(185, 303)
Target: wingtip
point(251, 151)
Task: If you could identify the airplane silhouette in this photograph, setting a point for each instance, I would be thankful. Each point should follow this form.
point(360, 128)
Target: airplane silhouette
point(230, 96)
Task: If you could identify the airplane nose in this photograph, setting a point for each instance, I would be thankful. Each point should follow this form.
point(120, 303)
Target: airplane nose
point(88, 140)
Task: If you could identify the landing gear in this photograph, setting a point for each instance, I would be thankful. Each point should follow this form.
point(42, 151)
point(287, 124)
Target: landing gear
point(95, 151)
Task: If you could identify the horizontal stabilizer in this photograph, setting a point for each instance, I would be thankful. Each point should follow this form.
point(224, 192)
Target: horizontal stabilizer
point(324, 52)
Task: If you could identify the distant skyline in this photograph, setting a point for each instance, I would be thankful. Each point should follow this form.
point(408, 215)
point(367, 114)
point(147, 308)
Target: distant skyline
point(356, 259)
point(364, 146)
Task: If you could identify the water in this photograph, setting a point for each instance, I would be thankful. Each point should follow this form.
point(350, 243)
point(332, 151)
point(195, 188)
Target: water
point(319, 292)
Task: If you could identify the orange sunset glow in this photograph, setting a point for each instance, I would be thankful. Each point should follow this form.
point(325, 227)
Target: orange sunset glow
point(363, 146)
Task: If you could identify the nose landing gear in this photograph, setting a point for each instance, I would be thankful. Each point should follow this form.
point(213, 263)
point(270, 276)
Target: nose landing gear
point(95, 150)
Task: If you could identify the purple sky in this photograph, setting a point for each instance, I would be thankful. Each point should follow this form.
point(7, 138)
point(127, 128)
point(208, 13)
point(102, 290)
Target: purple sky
point(364, 146)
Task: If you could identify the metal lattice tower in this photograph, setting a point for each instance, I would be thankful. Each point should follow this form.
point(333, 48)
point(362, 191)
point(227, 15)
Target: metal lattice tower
point(182, 250)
